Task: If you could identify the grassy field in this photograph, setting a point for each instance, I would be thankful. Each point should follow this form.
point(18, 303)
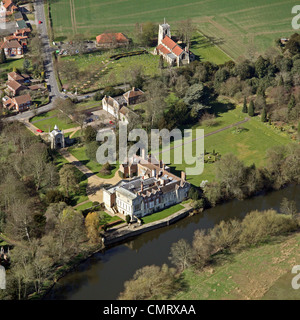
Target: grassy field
point(234, 25)
point(97, 72)
point(249, 145)
point(247, 275)
point(10, 64)
point(47, 121)
point(162, 214)
point(95, 167)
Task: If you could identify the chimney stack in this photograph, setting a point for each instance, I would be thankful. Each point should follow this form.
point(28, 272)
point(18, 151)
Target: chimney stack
point(183, 177)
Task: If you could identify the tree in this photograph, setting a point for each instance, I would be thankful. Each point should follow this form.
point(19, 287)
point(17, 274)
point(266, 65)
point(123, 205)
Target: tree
point(2, 56)
point(288, 207)
point(181, 254)
point(264, 115)
point(90, 134)
point(68, 179)
point(26, 65)
point(185, 31)
point(151, 282)
point(251, 109)
point(245, 108)
point(292, 102)
point(148, 33)
point(92, 224)
point(231, 172)
point(36, 158)
point(203, 248)
point(91, 150)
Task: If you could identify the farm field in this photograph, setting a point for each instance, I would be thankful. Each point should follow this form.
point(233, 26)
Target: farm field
point(248, 275)
point(234, 25)
point(249, 144)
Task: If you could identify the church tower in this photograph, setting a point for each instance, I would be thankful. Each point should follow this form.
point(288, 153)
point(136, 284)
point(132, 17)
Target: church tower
point(164, 30)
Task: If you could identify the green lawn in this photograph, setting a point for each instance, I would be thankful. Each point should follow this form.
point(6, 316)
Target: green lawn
point(205, 50)
point(95, 75)
point(10, 64)
point(246, 275)
point(162, 214)
point(250, 145)
point(47, 121)
point(85, 206)
point(95, 167)
point(234, 25)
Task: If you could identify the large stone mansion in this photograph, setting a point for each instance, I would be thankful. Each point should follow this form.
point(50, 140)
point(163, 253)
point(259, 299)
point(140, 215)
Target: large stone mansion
point(152, 189)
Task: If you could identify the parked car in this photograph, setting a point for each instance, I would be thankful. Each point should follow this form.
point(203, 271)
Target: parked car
point(40, 22)
point(111, 122)
point(39, 130)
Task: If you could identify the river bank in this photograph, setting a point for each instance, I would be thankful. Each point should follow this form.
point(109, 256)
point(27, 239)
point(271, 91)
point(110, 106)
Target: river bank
point(102, 276)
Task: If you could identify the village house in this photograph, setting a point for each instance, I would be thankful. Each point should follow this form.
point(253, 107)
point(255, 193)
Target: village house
point(134, 96)
point(170, 50)
point(12, 48)
point(19, 103)
point(16, 82)
point(117, 106)
point(112, 40)
point(8, 7)
point(154, 189)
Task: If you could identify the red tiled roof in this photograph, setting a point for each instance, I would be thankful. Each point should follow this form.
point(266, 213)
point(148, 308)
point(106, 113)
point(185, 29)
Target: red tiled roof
point(111, 37)
point(177, 50)
point(173, 47)
point(133, 93)
point(11, 44)
point(7, 3)
point(163, 49)
point(15, 76)
point(167, 41)
point(14, 85)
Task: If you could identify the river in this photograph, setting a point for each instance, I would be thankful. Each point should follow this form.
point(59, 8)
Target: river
point(102, 277)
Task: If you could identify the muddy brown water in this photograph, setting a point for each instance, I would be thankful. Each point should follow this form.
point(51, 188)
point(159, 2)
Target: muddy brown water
point(102, 276)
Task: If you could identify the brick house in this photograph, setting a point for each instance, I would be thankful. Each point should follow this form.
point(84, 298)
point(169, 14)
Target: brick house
point(134, 96)
point(20, 103)
point(14, 87)
point(12, 48)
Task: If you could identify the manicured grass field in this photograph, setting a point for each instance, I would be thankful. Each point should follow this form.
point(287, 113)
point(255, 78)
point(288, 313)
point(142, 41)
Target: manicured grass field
point(47, 121)
point(234, 25)
point(246, 275)
point(10, 64)
point(162, 214)
point(95, 167)
point(250, 145)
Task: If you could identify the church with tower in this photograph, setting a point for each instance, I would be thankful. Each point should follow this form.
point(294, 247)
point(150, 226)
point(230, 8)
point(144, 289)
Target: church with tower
point(170, 50)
